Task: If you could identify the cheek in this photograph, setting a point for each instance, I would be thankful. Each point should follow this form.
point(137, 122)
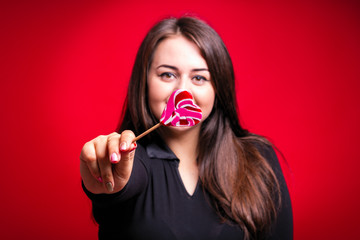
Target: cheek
point(206, 103)
point(156, 103)
point(157, 98)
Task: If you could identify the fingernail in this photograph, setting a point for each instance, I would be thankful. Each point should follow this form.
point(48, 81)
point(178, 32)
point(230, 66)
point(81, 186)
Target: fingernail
point(109, 186)
point(123, 146)
point(100, 179)
point(133, 146)
point(114, 158)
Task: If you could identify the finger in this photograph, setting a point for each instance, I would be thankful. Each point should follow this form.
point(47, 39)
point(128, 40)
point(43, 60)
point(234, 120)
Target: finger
point(88, 156)
point(124, 167)
point(103, 162)
point(113, 142)
point(129, 155)
point(126, 139)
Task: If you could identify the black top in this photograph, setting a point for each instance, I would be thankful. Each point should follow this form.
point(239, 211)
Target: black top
point(155, 204)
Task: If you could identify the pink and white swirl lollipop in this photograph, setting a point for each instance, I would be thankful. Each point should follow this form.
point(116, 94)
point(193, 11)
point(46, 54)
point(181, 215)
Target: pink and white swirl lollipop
point(180, 111)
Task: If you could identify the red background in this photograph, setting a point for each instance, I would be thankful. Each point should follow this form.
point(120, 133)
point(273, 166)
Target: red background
point(64, 72)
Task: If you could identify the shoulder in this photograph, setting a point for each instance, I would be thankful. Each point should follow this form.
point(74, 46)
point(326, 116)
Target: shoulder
point(267, 151)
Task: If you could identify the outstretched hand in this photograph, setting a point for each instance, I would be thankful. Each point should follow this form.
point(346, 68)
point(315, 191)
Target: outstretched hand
point(106, 162)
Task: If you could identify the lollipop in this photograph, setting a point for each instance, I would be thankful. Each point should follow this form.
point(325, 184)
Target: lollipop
point(180, 111)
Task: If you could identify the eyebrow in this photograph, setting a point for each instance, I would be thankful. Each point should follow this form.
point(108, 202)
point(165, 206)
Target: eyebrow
point(176, 69)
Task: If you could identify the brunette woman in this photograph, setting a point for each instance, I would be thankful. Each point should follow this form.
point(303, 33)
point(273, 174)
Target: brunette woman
point(214, 180)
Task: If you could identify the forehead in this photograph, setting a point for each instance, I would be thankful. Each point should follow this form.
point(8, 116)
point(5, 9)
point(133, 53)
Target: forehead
point(179, 51)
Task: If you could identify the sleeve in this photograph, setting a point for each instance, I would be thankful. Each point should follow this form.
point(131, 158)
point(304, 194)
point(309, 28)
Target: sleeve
point(282, 228)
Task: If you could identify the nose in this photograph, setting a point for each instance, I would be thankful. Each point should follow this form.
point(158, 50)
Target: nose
point(184, 83)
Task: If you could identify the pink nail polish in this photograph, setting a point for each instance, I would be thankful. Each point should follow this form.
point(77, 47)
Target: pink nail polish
point(123, 146)
point(100, 179)
point(114, 158)
point(134, 146)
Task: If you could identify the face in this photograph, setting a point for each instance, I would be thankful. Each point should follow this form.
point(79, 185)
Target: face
point(178, 64)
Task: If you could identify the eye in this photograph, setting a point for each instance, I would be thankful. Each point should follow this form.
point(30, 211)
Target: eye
point(199, 79)
point(167, 76)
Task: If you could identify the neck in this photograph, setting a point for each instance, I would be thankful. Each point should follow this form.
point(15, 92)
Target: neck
point(184, 143)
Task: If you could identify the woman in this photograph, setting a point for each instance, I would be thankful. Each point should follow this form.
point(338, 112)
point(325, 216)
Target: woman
point(214, 180)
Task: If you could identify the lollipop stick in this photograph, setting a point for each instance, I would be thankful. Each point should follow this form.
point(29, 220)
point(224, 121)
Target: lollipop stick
point(146, 132)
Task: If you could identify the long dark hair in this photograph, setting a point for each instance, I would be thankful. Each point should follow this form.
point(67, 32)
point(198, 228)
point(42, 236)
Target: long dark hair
point(243, 187)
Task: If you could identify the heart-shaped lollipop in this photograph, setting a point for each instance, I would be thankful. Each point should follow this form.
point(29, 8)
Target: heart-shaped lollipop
point(180, 111)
